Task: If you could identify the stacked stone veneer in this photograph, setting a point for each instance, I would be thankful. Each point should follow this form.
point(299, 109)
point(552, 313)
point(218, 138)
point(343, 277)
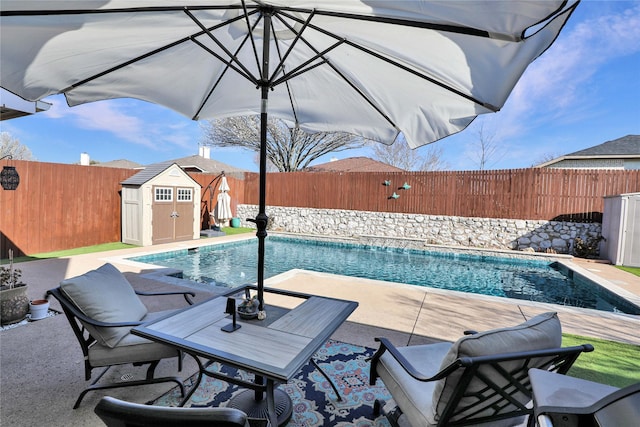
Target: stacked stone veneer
point(488, 233)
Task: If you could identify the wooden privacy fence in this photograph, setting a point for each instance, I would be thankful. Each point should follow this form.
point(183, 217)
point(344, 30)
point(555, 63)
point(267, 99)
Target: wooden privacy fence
point(60, 206)
point(543, 194)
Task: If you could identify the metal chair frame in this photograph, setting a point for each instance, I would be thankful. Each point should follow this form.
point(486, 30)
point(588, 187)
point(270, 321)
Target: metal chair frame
point(118, 413)
point(491, 396)
point(76, 319)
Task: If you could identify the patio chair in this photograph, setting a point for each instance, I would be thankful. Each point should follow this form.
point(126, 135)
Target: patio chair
point(563, 401)
point(481, 379)
point(102, 307)
point(118, 413)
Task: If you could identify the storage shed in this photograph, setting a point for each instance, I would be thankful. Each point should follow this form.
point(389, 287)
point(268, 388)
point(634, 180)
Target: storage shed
point(621, 229)
point(160, 204)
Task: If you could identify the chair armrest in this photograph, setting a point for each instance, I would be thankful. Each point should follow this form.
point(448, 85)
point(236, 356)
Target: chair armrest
point(67, 305)
point(185, 294)
point(568, 353)
point(385, 345)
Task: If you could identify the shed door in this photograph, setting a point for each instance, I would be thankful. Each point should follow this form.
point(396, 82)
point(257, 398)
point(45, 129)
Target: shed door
point(631, 250)
point(172, 214)
point(183, 224)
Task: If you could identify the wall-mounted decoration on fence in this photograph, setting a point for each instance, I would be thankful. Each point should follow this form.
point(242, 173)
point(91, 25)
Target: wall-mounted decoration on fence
point(405, 186)
point(9, 178)
point(386, 183)
point(394, 196)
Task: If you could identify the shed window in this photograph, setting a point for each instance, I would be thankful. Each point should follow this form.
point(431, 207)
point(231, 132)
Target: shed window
point(185, 194)
point(164, 194)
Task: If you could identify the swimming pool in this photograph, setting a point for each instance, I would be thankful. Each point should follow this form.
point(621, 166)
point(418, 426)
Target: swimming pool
point(233, 264)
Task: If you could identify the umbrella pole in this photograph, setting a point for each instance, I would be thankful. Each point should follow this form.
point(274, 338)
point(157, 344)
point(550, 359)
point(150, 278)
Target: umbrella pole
point(261, 219)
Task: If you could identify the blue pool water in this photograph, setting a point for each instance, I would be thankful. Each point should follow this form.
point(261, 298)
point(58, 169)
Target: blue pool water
point(234, 264)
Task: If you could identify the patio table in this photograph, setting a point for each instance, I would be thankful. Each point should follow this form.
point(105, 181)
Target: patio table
point(274, 349)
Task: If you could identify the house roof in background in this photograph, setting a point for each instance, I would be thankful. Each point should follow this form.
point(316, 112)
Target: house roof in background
point(120, 163)
point(354, 164)
point(197, 163)
point(627, 147)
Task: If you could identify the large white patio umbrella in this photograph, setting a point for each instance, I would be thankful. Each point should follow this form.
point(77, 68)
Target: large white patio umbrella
point(370, 67)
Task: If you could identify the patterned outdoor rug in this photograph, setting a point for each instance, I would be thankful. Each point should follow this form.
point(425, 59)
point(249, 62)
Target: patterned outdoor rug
point(314, 401)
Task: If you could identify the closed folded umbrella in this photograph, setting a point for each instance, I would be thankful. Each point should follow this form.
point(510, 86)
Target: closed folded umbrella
point(223, 206)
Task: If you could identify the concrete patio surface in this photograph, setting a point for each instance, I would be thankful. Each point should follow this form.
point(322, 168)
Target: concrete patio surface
point(41, 366)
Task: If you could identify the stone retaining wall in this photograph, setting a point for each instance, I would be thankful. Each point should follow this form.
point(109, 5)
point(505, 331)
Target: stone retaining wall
point(491, 233)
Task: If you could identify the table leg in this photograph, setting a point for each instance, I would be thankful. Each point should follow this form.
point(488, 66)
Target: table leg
point(271, 404)
point(324, 374)
point(195, 385)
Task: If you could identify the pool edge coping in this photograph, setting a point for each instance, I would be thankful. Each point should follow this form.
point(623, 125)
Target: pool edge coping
point(164, 274)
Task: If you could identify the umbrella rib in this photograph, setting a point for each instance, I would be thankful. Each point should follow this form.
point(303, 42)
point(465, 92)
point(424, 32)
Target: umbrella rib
point(124, 64)
point(281, 65)
point(234, 58)
point(144, 56)
point(251, 78)
point(293, 44)
point(302, 68)
point(229, 64)
point(113, 11)
point(423, 76)
point(399, 65)
point(397, 21)
point(253, 42)
point(349, 82)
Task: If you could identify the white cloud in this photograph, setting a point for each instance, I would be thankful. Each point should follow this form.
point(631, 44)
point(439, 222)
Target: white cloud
point(129, 120)
point(559, 83)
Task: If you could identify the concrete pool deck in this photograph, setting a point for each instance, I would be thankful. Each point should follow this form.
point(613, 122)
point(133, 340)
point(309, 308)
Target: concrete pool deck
point(41, 363)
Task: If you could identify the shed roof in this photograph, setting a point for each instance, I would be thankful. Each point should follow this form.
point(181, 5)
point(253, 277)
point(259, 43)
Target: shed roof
point(150, 172)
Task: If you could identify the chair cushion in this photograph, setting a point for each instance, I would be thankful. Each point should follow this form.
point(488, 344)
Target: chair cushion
point(132, 348)
point(538, 333)
point(137, 349)
point(105, 295)
point(411, 395)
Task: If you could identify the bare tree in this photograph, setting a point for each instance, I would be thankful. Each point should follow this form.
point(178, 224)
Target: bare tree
point(400, 155)
point(12, 146)
point(544, 158)
point(432, 159)
point(288, 149)
point(486, 150)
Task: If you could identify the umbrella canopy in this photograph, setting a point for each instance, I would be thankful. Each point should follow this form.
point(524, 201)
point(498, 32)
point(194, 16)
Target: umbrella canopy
point(370, 67)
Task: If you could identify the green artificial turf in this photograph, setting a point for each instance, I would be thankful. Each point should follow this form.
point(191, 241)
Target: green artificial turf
point(612, 363)
point(632, 270)
point(69, 252)
point(237, 230)
point(103, 247)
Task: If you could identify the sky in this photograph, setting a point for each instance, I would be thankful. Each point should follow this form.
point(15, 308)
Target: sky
point(583, 91)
